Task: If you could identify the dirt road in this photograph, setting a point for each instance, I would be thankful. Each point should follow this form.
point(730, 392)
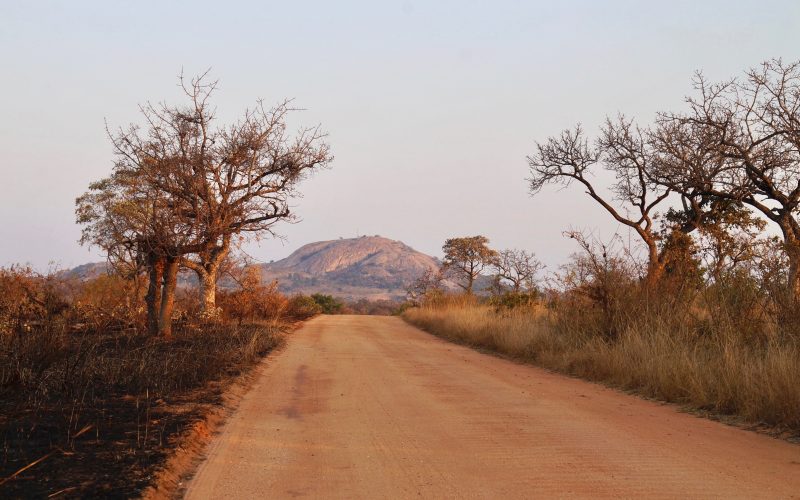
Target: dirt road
point(369, 407)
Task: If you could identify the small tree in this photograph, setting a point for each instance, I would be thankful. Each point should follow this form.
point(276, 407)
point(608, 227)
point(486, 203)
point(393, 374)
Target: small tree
point(726, 239)
point(516, 269)
point(140, 225)
point(465, 259)
point(429, 283)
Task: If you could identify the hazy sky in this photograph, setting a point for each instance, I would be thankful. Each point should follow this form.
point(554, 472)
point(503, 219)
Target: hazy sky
point(431, 106)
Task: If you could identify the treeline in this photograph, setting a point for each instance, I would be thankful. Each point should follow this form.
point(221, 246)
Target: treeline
point(509, 276)
point(702, 192)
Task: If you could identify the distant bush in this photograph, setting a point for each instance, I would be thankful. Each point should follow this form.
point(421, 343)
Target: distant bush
point(301, 307)
point(512, 300)
point(328, 304)
point(28, 298)
point(109, 302)
point(379, 307)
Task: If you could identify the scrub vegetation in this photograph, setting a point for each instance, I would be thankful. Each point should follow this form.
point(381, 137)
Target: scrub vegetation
point(698, 302)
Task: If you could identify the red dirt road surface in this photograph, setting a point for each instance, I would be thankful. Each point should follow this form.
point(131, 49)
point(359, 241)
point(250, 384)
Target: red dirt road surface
point(369, 407)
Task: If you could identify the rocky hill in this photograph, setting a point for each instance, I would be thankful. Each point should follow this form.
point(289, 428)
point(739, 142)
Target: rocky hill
point(367, 267)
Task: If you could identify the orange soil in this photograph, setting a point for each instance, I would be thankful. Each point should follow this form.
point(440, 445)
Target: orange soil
point(370, 407)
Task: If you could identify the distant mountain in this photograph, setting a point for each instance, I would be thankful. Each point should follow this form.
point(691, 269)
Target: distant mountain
point(86, 272)
point(367, 267)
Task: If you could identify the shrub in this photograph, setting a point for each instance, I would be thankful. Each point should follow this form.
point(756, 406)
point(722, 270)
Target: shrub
point(109, 302)
point(254, 301)
point(28, 298)
point(328, 304)
point(513, 300)
point(380, 307)
point(301, 307)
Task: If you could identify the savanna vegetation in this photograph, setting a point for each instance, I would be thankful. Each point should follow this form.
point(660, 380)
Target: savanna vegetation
point(101, 377)
point(697, 302)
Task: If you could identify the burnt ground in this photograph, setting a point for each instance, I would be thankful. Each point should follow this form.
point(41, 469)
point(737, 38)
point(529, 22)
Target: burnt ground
point(107, 444)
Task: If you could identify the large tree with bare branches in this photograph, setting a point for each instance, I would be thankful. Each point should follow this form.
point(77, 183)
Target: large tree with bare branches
point(196, 187)
point(628, 152)
point(240, 177)
point(623, 149)
point(740, 141)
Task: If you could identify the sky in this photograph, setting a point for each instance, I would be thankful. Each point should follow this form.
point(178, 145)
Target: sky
point(431, 107)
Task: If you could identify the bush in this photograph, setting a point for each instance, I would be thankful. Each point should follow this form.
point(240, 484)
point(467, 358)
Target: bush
point(109, 302)
point(254, 301)
point(301, 307)
point(328, 304)
point(28, 298)
point(380, 307)
point(513, 300)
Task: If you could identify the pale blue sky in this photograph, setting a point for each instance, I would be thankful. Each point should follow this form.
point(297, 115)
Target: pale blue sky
point(431, 106)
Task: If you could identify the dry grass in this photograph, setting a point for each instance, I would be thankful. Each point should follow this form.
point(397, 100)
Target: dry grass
point(718, 371)
point(106, 408)
point(90, 405)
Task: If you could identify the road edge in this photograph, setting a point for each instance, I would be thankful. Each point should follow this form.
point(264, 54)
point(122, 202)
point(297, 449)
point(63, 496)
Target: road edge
point(191, 447)
point(728, 420)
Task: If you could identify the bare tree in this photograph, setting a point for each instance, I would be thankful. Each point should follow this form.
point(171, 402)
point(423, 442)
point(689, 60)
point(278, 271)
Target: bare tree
point(621, 149)
point(240, 177)
point(518, 269)
point(139, 226)
point(626, 151)
point(740, 141)
point(428, 283)
point(220, 182)
point(465, 259)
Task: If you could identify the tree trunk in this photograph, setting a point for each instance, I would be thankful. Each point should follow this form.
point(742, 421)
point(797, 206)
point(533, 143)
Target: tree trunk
point(168, 297)
point(793, 253)
point(208, 292)
point(207, 271)
point(153, 297)
point(791, 242)
point(655, 265)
